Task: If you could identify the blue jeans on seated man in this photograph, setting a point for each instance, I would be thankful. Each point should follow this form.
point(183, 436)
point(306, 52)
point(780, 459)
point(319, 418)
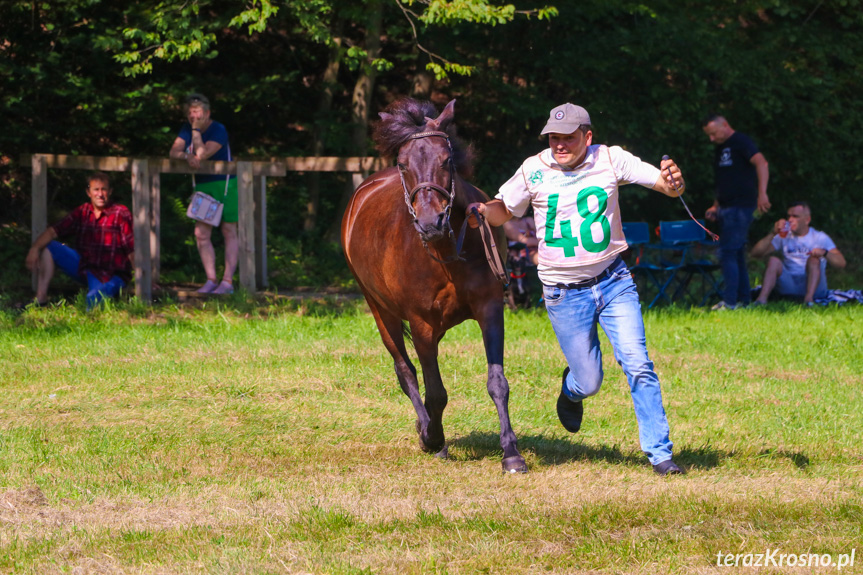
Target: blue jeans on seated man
point(67, 259)
point(613, 303)
point(734, 226)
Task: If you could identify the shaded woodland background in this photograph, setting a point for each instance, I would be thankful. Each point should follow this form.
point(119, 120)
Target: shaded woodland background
point(305, 78)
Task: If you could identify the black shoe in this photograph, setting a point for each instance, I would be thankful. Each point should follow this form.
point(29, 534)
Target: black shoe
point(667, 467)
point(21, 306)
point(569, 412)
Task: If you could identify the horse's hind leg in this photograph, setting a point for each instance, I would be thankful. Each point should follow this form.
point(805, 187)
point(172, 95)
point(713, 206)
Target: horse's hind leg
point(390, 328)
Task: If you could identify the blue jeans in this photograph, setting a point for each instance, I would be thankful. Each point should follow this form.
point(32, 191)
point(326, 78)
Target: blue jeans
point(68, 260)
point(733, 233)
point(613, 303)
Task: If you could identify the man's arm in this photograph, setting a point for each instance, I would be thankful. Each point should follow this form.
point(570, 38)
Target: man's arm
point(764, 247)
point(763, 173)
point(205, 151)
point(494, 211)
point(178, 149)
point(45, 238)
point(834, 257)
point(202, 151)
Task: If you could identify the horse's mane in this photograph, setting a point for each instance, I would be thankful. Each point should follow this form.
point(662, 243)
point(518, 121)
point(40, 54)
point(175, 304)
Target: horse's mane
point(406, 117)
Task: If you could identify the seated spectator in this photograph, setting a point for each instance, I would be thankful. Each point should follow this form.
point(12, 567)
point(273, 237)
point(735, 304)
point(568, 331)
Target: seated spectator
point(522, 231)
point(104, 246)
point(805, 251)
point(521, 260)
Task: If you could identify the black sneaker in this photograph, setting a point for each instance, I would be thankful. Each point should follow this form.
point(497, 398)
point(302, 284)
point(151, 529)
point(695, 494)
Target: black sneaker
point(21, 306)
point(569, 412)
point(667, 467)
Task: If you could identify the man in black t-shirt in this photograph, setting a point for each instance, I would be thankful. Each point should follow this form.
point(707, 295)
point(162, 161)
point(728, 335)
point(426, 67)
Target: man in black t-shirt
point(741, 187)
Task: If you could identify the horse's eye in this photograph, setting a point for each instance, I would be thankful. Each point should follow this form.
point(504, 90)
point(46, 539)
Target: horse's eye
point(402, 166)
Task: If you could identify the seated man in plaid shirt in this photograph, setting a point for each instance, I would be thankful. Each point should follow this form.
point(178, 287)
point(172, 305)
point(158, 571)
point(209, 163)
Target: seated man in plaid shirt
point(105, 245)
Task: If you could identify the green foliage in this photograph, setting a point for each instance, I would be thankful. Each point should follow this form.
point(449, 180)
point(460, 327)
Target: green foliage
point(481, 12)
point(308, 261)
point(256, 17)
point(167, 31)
point(788, 73)
point(441, 71)
point(448, 13)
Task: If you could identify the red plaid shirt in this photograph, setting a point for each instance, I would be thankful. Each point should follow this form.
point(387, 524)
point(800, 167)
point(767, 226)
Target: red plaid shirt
point(104, 243)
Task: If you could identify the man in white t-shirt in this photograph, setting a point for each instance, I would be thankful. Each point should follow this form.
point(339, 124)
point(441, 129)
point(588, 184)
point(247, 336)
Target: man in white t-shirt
point(802, 269)
point(573, 188)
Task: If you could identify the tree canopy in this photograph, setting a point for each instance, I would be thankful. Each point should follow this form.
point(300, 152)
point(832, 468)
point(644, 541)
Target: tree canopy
point(306, 77)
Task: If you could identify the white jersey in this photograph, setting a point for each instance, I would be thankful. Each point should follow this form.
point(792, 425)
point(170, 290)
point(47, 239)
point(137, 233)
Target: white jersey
point(576, 211)
point(795, 250)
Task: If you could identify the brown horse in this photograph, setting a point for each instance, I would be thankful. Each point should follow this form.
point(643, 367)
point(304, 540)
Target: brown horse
point(397, 235)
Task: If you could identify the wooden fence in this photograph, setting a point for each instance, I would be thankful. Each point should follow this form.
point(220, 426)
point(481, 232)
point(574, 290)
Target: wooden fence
point(145, 174)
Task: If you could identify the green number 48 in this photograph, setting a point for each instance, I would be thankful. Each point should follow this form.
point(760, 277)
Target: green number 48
point(567, 241)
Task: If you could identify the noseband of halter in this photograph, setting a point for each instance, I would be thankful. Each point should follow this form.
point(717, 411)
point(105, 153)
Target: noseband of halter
point(448, 194)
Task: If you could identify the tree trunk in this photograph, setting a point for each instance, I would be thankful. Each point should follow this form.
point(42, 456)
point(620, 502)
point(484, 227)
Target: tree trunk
point(361, 102)
point(329, 80)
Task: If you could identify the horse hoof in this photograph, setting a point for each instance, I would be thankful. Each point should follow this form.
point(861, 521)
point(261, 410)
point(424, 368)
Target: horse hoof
point(514, 464)
point(443, 453)
point(432, 447)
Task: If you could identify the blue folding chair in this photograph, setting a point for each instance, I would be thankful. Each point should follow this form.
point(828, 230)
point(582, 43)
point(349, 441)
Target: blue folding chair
point(689, 240)
point(656, 275)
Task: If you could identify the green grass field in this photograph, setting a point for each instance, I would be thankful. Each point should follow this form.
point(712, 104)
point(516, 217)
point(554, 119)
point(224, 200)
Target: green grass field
point(244, 438)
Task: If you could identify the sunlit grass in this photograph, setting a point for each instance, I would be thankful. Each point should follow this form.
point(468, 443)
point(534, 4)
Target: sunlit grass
point(270, 438)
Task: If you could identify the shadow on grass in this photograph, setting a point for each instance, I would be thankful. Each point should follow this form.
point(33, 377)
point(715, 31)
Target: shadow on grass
point(555, 451)
point(801, 460)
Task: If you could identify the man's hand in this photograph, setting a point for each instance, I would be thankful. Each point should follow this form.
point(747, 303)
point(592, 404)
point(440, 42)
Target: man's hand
point(32, 260)
point(494, 211)
point(763, 203)
point(711, 214)
point(480, 207)
point(672, 176)
point(779, 227)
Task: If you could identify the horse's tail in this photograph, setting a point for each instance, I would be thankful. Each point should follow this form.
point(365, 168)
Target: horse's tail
point(406, 331)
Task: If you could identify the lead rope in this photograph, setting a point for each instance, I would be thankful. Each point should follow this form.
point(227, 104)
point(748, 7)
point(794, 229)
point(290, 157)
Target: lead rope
point(674, 185)
point(491, 253)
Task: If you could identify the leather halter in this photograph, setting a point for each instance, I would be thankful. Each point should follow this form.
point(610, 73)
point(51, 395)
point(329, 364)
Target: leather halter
point(491, 253)
point(449, 195)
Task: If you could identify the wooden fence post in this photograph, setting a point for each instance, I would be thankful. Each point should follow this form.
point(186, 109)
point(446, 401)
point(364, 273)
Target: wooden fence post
point(155, 224)
point(39, 213)
point(261, 231)
point(246, 225)
point(141, 222)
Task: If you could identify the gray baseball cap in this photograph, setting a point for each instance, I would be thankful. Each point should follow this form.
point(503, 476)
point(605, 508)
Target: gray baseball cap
point(197, 100)
point(566, 119)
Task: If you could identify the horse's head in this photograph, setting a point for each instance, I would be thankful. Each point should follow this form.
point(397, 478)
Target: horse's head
point(427, 170)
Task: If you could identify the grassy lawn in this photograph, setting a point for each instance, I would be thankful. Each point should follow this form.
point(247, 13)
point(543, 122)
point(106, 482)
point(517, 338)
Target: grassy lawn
point(243, 438)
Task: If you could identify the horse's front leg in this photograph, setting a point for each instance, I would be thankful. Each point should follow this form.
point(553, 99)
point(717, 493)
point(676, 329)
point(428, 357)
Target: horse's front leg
point(390, 328)
point(431, 433)
point(491, 323)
